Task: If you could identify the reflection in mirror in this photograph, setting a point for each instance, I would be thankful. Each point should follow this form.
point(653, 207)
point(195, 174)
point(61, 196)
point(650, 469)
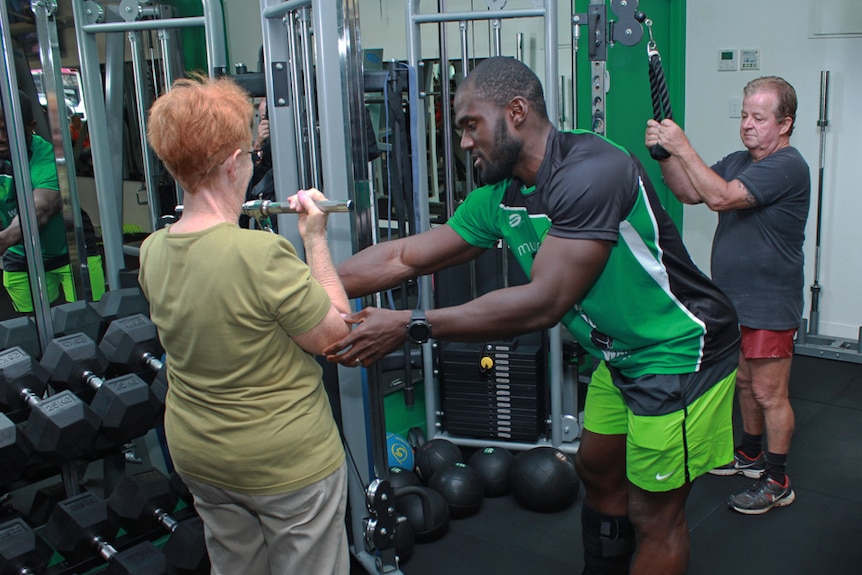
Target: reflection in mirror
point(37, 95)
point(17, 299)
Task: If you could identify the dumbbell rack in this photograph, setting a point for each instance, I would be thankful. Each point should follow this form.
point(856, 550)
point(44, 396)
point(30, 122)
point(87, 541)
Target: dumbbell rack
point(125, 541)
point(117, 307)
point(11, 527)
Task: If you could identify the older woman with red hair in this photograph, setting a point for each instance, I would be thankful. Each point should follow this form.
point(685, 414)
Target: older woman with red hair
point(248, 422)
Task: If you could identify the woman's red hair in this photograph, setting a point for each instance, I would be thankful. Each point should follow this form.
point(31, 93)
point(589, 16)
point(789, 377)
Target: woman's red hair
point(197, 125)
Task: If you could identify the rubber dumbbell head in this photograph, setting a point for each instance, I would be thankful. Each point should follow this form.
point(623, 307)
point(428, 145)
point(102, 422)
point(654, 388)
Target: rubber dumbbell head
point(126, 405)
point(61, 427)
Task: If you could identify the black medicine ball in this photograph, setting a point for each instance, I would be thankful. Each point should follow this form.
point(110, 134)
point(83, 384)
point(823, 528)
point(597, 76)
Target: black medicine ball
point(544, 479)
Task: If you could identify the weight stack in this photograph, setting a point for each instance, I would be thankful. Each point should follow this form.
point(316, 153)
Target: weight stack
point(495, 390)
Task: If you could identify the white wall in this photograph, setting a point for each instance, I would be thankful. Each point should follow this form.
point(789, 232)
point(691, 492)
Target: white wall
point(780, 29)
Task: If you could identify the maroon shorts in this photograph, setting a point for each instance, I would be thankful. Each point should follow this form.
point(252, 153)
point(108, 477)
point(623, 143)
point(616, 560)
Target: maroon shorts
point(766, 344)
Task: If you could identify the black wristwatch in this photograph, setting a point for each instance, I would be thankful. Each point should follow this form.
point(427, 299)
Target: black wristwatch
point(418, 330)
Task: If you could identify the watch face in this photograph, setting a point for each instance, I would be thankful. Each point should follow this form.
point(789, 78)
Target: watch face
point(419, 331)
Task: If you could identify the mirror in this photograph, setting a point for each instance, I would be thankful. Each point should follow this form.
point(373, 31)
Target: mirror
point(75, 266)
point(70, 251)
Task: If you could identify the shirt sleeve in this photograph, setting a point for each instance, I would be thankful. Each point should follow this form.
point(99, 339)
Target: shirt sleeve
point(476, 218)
point(772, 178)
point(721, 166)
point(43, 169)
point(590, 196)
point(297, 299)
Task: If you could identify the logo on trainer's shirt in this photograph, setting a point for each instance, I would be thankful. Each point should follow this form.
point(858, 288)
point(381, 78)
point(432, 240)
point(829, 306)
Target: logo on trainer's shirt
point(514, 220)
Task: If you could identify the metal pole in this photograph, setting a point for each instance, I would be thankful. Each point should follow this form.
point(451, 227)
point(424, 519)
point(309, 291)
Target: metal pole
point(477, 15)
point(166, 45)
point(282, 107)
point(52, 78)
point(141, 105)
point(446, 116)
point(214, 33)
point(103, 168)
point(465, 69)
point(142, 25)
point(306, 38)
point(822, 123)
point(576, 36)
point(296, 99)
point(519, 46)
point(23, 183)
point(115, 70)
point(497, 27)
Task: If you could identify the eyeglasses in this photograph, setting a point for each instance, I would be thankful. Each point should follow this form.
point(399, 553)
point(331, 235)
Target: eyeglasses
point(256, 156)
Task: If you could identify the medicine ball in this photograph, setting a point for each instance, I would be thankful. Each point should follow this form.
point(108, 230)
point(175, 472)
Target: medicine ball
point(399, 452)
point(461, 487)
point(435, 455)
point(400, 477)
point(493, 465)
point(544, 479)
point(426, 510)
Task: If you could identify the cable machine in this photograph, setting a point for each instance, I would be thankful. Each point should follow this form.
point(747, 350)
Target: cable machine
point(562, 420)
point(315, 96)
point(496, 14)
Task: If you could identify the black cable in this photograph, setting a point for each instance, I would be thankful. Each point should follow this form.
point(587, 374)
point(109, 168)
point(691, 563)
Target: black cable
point(660, 100)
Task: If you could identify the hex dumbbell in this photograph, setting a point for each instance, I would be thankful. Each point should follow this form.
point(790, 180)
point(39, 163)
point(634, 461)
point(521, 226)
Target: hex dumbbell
point(93, 318)
point(144, 499)
point(126, 405)
point(80, 525)
point(21, 550)
point(77, 317)
point(21, 332)
point(15, 450)
point(61, 427)
point(133, 342)
point(118, 303)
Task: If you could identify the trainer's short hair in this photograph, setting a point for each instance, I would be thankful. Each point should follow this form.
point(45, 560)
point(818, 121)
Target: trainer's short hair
point(499, 79)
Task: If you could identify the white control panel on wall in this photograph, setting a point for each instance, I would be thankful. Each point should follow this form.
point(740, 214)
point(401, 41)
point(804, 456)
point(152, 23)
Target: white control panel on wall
point(749, 59)
point(727, 61)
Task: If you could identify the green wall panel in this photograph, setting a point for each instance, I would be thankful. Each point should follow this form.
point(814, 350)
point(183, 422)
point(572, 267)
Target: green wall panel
point(193, 39)
point(628, 103)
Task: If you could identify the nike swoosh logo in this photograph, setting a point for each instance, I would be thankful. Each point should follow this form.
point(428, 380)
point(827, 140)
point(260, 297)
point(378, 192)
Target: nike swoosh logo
point(660, 477)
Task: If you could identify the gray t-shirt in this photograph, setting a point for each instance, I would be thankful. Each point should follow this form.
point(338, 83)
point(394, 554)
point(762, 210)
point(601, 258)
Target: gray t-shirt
point(757, 257)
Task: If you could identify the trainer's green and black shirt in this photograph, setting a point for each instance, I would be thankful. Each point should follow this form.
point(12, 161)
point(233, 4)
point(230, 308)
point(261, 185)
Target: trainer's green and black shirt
point(651, 311)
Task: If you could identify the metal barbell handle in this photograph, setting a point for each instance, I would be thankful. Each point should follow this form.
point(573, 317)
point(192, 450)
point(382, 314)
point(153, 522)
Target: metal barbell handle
point(266, 207)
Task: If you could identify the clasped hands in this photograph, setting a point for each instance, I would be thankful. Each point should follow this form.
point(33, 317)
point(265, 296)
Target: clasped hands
point(376, 332)
point(666, 133)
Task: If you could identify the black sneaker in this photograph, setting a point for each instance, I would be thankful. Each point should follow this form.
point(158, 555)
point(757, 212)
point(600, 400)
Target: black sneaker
point(751, 468)
point(762, 496)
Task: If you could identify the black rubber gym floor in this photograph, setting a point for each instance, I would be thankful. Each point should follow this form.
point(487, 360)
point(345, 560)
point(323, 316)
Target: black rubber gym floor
point(818, 534)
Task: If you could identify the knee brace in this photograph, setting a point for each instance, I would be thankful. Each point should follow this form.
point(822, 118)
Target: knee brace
point(609, 542)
